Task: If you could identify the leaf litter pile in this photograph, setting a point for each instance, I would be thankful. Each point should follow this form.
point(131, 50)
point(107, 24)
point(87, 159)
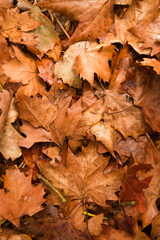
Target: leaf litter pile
point(79, 120)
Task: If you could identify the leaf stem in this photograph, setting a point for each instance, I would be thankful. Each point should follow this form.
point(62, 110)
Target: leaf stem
point(67, 35)
point(92, 215)
point(52, 187)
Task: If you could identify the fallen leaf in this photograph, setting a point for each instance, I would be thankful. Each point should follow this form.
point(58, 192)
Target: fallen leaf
point(105, 116)
point(151, 63)
point(8, 234)
point(33, 135)
point(32, 109)
point(47, 224)
point(64, 68)
point(21, 197)
point(110, 233)
point(132, 187)
point(65, 125)
point(22, 68)
point(5, 100)
point(83, 176)
point(145, 93)
point(155, 232)
point(45, 68)
point(95, 224)
point(148, 34)
point(47, 40)
point(93, 59)
point(95, 18)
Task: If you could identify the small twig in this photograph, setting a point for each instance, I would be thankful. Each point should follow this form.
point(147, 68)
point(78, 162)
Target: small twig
point(67, 35)
point(92, 215)
point(52, 187)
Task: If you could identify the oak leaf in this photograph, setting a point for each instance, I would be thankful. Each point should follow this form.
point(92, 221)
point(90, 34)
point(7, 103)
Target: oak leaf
point(95, 17)
point(21, 197)
point(32, 109)
point(93, 59)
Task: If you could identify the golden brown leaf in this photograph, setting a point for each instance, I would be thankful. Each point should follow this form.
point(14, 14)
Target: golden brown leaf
point(21, 197)
point(95, 17)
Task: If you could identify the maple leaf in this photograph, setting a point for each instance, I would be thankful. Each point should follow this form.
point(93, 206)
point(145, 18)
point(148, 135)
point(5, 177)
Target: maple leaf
point(33, 135)
point(132, 187)
point(92, 60)
point(151, 194)
point(66, 122)
point(95, 17)
point(45, 68)
point(145, 93)
point(152, 63)
point(22, 68)
point(138, 12)
point(64, 68)
point(148, 34)
point(21, 197)
point(47, 40)
point(105, 116)
point(9, 142)
point(83, 176)
point(110, 233)
point(35, 115)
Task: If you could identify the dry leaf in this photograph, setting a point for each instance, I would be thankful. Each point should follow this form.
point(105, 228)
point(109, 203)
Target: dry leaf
point(95, 18)
point(32, 109)
point(21, 197)
point(93, 59)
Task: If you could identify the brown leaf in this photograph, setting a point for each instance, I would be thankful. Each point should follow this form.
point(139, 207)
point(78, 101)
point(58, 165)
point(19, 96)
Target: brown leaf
point(93, 59)
point(32, 109)
point(33, 135)
point(64, 68)
point(10, 234)
point(148, 34)
point(145, 93)
point(21, 197)
point(83, 176)
point(155, 233)
point(132, 187)
point(45, 68)
point(5, 100)
point(106, 115)
point(110, 233)
point(65, 125)
point(95, 18)
point(48, 225)
point(152, 63)
point(22, 68)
